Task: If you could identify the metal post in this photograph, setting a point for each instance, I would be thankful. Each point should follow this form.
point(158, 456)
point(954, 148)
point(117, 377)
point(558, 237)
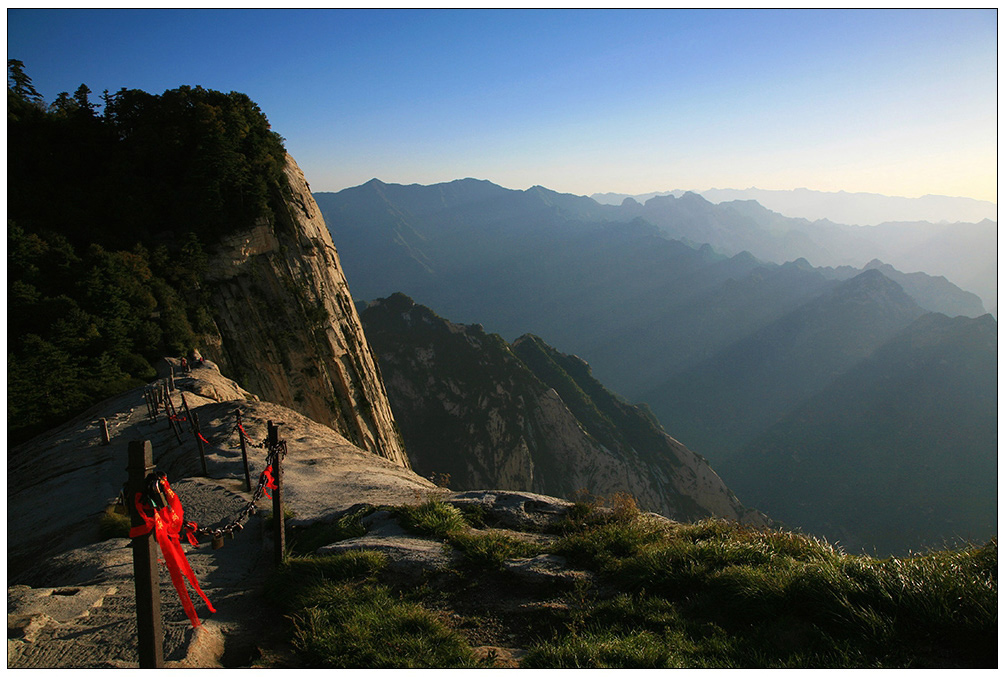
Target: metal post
point(279, 523)
point(244, 451)
point(198, 438)
point(149, 624)
point(105, 437)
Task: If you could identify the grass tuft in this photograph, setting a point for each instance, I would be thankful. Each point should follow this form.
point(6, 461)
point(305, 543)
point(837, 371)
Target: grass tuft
point(607, 649)
point(307, 539)
point(432, 518)
point(299, 581)
point(353, 626)
point(491, 549)
point(114, 524)
point(343, 618)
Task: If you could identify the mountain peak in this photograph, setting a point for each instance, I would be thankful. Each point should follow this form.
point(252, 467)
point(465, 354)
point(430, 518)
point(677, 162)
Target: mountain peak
point(693, 198)
point(874, 286)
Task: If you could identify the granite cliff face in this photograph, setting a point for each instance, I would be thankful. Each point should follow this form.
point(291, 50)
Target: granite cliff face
point(288, 330)
point(527, 418)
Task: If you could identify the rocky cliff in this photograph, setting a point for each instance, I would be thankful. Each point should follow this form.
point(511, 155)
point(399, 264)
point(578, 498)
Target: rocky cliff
point(527, 418)
point(287, 327)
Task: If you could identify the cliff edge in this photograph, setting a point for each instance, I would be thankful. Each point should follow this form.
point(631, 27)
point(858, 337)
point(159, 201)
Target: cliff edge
point(287, 328)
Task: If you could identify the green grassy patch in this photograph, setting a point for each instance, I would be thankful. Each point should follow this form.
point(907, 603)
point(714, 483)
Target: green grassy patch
point(804, 602)
point(490, 549)
point(353, 626)
point(432, 518)
point(307, 539)
point(708, 595)
point(341, 617)
point(114, 524)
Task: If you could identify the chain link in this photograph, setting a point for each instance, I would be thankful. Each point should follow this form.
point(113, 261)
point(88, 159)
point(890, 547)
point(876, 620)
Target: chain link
point(275, 453)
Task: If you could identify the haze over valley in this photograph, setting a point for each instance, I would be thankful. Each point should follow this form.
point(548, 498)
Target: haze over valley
point(723, 348)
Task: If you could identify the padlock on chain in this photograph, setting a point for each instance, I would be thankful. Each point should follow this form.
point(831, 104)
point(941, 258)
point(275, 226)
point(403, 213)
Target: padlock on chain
point(217, 541)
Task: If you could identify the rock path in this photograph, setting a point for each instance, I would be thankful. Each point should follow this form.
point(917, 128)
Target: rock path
point(71, 600)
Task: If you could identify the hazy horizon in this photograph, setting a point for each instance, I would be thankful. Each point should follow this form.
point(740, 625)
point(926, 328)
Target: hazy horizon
point(659, 192)
point(892, 102)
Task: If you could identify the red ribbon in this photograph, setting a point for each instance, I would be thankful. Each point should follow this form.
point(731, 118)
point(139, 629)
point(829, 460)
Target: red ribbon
point(269, 482)
point(202, 438)
point(166, 524)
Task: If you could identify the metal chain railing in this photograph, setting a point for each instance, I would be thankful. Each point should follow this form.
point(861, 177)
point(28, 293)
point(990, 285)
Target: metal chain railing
point(275, 454)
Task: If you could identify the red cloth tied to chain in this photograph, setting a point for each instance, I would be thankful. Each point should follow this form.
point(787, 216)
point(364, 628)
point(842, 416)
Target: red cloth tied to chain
point(166, 524)
point(269, 482)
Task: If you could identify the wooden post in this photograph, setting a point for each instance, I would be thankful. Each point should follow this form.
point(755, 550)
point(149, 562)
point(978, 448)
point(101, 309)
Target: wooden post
point(172, 415)
point(188, 412)
point(105, 437)
point(279, 523)
point(149, 624)
point(244, 451)
point(198, 438)
point(170, 376)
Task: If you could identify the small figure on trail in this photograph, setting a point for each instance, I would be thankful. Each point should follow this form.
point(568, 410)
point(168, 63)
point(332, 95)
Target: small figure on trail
point(184, 366)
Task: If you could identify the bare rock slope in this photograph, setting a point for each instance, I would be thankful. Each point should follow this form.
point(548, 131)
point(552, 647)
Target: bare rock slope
point(287, 328)
point(71, 601)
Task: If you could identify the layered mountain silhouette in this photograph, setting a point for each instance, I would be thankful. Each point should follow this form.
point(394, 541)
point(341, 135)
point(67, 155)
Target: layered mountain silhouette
point(840, 206)
point(951, 237)
point(721, 346)
point(745, 387)
point(478, 412)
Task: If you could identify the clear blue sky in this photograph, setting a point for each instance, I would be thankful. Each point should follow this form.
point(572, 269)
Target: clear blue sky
point(581, 101)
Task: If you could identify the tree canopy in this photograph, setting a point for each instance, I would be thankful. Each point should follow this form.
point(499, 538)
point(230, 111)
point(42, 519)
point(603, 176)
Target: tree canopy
point(111, 209)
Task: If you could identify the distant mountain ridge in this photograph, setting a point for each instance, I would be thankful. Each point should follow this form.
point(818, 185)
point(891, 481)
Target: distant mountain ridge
point(963, 253)
point(861, 209)
point(721, 346)
point(951, 237)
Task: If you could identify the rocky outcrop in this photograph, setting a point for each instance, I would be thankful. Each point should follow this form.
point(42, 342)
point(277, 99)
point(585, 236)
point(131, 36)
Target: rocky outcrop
point(287, 328)
point(481, 413)
point(71, 595)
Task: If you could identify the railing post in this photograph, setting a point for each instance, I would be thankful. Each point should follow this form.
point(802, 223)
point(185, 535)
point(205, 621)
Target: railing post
point(172, 416)
point(198, 439)
point(105, 437)
point(279, 523)
point(244, 450)
point(149, 625)
point(188, 412)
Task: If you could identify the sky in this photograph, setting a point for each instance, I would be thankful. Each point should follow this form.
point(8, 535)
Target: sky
point(898, 102)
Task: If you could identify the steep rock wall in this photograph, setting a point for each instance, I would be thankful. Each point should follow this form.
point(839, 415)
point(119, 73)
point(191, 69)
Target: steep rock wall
point(287, 328)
